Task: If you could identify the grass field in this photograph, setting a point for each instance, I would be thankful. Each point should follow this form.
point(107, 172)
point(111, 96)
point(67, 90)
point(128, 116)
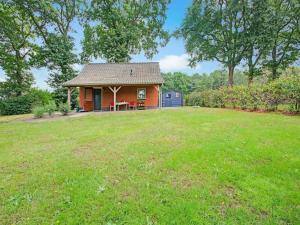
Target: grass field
point(181, 166)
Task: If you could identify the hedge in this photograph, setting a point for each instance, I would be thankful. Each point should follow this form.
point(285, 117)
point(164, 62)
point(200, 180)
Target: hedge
point(283, 91)
point(16, 105)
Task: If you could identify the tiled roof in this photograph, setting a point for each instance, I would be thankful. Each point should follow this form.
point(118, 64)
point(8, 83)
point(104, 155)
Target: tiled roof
point(117, 74)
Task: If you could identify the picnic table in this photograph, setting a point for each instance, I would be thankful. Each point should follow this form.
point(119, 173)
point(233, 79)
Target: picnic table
point(118, 104)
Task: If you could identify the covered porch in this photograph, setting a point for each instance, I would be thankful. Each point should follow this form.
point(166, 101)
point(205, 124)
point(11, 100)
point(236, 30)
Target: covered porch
point(118, 97)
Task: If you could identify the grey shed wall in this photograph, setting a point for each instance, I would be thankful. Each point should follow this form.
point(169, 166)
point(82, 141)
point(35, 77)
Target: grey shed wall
point(172, 99)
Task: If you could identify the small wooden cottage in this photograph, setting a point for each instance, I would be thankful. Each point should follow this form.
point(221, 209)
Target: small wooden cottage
point(117, 86)
point(172, 99)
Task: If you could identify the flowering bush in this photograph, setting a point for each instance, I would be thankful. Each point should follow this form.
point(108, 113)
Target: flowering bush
point(283, 91)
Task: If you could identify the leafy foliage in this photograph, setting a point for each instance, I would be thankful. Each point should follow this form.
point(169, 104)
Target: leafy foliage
point(176, 81)
point(17, 50)
point(64, 109)
point(285, 91)
point(50, 108)
point(262, 34)
point(213, 30)
point(60, 95)
point(40, 97)
point(16, 105)
point(38, 111)
point(199, 82)
point(284, 35)
point(115, 29)
point(52, 23)
point(257, 28)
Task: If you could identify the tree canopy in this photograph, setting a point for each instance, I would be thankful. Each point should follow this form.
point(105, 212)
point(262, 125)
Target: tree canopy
point(52, 21)
point(213, 30)
point(260, 34)
point(17, 49)
point(284, 35)
point(116, 29)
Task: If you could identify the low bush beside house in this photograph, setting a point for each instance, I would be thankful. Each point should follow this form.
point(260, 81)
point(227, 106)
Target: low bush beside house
point(64, 109)
point(38, 111)
point(50, 108)
point(283, 91)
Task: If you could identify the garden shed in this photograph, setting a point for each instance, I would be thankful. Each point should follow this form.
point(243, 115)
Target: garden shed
point(172, 98)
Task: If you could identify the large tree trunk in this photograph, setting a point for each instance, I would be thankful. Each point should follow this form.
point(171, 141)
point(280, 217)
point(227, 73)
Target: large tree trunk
point(274, 64)
point(250, 80)
point(230, 75)
point(18, 75)
point(250, 70)
point(274, 72)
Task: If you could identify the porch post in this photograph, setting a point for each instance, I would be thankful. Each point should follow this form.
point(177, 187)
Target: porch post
point(115, 98)
point(115, 90)
point(69, 97)
point(159, 97)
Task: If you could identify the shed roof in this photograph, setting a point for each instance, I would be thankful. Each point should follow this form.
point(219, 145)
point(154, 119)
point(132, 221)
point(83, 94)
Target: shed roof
point(117, 74)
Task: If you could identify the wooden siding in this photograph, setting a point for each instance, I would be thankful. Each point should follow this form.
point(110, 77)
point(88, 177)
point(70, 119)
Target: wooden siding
point(87, 99)
point(126, 93)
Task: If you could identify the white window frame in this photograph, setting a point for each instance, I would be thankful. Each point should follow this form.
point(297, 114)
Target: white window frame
point(137, 93)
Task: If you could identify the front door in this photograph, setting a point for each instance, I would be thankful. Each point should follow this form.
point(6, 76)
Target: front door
point(97, 99)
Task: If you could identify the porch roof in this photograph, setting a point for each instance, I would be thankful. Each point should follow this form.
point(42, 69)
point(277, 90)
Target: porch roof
point(117, 74)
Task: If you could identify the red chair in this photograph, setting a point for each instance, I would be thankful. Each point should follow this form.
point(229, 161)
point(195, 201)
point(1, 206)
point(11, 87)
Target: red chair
point(111, 106)
point(141, 105)
point(132, 105)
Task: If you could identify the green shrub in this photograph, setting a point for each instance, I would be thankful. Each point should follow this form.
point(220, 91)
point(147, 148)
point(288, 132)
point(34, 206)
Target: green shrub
point(230, 97)
point(283, 91)
point(50, 108)
point(40, 97)
point(194, 99)
point(64, 108)
point(38, 111)
point(16, 105)
point(254, 97)
point(271, 96)
point(290, 92)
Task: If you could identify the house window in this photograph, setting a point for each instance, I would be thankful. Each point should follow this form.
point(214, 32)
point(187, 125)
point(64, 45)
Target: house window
point(177, 94)
point(168, 95)
point(141, 93)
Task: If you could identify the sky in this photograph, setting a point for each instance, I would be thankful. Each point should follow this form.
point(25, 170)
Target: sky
point(172, 57)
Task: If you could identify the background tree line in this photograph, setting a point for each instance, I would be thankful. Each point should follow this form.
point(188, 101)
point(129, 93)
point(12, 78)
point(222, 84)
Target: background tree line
point(260, 35)
point(217, 79)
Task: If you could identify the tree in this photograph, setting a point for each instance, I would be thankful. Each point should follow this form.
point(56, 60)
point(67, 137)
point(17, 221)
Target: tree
point(16, 50)
point(213, 30)
point(52, 22)
point(116, 29)
point(284, 35)
point(256, 25)
point(176, 81)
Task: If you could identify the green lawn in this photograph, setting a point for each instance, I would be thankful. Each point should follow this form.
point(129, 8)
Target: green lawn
point(180, 166)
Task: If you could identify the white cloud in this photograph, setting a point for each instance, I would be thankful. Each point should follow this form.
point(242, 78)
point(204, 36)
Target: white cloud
point(174, 63)
point(171, 63)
